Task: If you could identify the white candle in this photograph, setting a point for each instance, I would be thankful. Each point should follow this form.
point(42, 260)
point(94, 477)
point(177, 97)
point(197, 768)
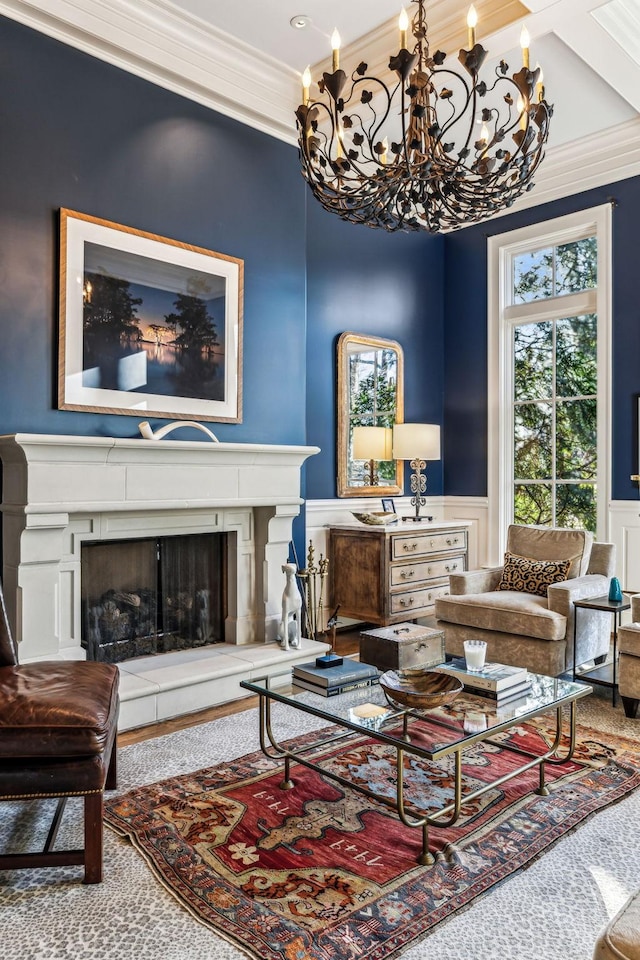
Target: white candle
point(524, 43)
point(475, 652)
point(335, 47)
point(472, 22)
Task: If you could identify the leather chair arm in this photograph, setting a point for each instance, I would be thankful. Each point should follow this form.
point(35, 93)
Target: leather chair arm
point(475, 581)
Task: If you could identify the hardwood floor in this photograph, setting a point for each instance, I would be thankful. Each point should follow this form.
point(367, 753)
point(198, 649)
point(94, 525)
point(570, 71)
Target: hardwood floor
point(347, 644)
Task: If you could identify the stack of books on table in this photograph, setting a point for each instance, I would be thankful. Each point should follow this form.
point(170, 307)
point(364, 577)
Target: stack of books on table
point(496, 681)
point(329, 681)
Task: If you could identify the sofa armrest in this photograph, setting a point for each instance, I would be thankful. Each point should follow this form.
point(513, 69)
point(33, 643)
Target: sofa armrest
point(579, 588)
point(594, 626)
point(635, 607)
point(475, 581)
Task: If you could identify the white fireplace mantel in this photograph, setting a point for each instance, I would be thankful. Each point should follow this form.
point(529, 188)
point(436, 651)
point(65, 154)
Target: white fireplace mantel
point(59, 491)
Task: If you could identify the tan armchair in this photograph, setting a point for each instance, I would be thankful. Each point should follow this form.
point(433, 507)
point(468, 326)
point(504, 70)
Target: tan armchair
point(629, 663)
point(528, 630)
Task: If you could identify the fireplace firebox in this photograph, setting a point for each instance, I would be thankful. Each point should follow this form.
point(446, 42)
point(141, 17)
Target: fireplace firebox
point(153, 595)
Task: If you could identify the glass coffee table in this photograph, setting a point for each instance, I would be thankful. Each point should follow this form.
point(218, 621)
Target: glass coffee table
point(452, 730)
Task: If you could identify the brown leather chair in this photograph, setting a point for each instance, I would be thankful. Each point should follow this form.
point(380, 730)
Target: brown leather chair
point(58, 722)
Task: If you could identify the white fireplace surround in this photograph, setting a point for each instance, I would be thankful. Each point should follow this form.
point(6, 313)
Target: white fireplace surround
point(59, 491)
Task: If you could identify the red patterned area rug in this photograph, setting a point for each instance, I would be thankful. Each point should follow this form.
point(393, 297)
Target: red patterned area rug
point(320, 872)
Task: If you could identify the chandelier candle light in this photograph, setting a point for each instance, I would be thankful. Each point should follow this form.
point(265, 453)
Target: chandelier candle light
point(462, 149)
point(417, 442)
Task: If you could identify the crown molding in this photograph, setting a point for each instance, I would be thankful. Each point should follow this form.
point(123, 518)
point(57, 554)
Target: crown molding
point(155, 40)
point(584, 164)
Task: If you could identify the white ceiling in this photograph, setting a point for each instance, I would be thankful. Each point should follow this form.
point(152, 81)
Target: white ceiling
point(265, 24)
point(245, 60)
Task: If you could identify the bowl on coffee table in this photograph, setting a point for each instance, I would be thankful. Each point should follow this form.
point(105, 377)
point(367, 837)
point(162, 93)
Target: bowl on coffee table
point(420, 689)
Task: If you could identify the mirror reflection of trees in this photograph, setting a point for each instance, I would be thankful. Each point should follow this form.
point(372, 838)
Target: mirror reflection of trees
point(373, 394)
point(370, 394)
point(555, 392)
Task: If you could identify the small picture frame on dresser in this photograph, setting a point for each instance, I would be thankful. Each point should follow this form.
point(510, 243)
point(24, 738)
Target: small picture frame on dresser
point(388, 505)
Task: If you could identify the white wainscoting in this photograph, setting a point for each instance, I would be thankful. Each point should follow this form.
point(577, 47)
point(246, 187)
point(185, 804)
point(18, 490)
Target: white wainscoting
point(624, 531)
point(474, 510)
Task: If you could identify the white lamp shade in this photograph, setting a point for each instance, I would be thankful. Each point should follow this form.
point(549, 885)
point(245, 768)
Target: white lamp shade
point(416, 440)
point(371, 443)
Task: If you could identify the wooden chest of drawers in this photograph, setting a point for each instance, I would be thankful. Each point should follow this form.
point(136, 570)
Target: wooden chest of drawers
point(387, 574)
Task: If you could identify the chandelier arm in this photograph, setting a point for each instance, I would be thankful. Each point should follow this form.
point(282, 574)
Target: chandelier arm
point(389, 95)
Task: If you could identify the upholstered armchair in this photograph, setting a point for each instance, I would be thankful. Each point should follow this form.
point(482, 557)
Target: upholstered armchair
point(527, 628)
point(629, 662)
point(58, 722)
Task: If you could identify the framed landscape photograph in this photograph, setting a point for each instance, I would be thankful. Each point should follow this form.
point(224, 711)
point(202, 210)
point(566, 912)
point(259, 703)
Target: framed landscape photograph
point(148, 326)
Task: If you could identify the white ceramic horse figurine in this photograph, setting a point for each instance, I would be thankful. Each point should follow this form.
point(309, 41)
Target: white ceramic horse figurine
point(290, 633)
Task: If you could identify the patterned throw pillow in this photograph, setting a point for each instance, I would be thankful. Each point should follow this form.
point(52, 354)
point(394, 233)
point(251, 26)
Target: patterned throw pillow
point(531, 576)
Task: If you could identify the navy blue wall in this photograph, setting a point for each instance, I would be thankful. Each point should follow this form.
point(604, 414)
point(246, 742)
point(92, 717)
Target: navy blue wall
point(385, 285)
point(465, 340)
point(79, 133)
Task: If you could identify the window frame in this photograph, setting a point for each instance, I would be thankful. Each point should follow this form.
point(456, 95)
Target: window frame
point(502, 315)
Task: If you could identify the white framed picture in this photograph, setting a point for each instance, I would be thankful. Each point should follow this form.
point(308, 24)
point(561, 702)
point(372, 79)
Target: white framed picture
point(148, 325)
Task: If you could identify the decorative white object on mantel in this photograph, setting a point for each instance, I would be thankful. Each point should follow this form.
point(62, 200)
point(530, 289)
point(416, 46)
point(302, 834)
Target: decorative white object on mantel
point(148, 433)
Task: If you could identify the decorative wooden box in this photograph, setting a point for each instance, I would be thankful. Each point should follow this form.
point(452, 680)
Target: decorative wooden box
point(402, 645)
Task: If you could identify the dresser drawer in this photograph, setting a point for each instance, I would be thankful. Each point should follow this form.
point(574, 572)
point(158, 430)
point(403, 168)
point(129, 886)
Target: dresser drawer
point(424, 543)
point(411, 575)
point(408, 574)
point(411, 600)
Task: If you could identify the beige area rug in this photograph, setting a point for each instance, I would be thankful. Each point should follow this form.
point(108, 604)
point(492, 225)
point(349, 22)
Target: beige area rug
point(551, 911)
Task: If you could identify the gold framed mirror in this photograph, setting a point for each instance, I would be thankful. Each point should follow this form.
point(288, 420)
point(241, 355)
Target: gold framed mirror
point(370, 394)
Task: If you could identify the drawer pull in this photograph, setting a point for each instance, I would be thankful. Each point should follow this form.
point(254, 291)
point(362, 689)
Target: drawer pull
point(409, 546)
point(406, 603)
point(452, 543)
point(407, 574)
point(421, 646)
point(449, 568)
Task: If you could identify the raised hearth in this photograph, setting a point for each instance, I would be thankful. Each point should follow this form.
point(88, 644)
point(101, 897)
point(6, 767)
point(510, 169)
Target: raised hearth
point(59, 491)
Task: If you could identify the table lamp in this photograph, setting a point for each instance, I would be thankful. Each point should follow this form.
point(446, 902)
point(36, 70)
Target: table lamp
point(372, 444)
point(417, 442)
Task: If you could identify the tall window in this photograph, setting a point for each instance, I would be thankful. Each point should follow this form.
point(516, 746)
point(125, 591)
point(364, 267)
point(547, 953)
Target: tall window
point(549, 319)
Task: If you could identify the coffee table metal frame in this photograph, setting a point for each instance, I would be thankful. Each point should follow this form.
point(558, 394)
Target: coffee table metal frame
point(333, 710)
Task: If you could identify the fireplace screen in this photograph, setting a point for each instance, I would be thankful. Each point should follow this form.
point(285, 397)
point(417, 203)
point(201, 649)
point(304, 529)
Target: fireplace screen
point(141, 597)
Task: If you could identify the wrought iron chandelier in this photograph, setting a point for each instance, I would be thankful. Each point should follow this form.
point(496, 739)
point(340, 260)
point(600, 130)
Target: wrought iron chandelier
point(465, 148)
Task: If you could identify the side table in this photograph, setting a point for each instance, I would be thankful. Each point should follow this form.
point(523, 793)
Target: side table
point(604, 674)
